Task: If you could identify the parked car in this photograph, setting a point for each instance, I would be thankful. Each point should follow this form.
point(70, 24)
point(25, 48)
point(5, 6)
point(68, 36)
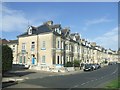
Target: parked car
point(88, 67)
point(111, 63)
point(82, 65)
point(26, 66)
point(97, 66)
point(94, 66)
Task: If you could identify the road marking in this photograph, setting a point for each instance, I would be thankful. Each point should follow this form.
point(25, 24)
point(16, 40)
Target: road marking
point(82, 83)
point(92, 80)
point(76, 86)
point(88, 82)
point(96, 78)
point(114, 71)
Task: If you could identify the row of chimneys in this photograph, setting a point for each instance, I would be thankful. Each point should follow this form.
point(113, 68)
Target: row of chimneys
point(51, 23)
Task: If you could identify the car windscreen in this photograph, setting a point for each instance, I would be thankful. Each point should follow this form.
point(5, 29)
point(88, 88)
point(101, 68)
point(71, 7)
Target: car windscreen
point(87, 65)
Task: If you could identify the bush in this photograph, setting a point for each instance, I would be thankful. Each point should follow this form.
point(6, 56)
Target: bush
point(76, 63)
point(69, 64)
point(7, 58)
point(106, 61)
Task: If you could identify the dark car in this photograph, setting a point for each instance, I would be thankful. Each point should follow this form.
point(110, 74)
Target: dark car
point(88, 67)
point(94, 66)
point(111, 63)
point(97, 66)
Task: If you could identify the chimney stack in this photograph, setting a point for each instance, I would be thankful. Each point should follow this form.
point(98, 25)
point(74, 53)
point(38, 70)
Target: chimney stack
point(49, 23)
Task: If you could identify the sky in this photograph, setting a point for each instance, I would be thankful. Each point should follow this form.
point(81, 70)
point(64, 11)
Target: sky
point(94, 21)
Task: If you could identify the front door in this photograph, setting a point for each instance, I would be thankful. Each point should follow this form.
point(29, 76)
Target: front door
point(20, 59)
point(24, 60)
point(33, 60)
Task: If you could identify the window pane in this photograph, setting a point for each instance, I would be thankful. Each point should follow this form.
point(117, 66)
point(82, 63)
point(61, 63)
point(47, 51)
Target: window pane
point(24, 59)
point(20, 59)
point(43, 59)
point(43, 44)
point(58, 44)
point(33, 46)
point(23, 46)
point(58, 59)
point(66, 47)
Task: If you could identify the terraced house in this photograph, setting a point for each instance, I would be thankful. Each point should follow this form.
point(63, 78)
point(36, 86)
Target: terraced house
point(51, 45)
point(48, 45)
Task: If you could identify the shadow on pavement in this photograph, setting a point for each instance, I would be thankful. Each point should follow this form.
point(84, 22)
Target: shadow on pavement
point(9, 83)
point(16, 74)
point(17, 71)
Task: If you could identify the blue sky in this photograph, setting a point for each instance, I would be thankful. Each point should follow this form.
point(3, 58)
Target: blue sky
point(94, 21)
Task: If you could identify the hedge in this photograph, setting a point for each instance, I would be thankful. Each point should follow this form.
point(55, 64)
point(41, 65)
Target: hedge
point(7, 58)
point(76, 63)
point(69, 64)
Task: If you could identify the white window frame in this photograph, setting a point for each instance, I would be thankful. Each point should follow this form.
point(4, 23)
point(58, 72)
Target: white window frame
point(23, 46)
point(62, 45)
point(70, 47)
point(78, 48)
point(13, 48)
point(75, 48)
point(43, 47)
point(43, 61)
point(58, 43)
point(32, 45)
point(67, 47)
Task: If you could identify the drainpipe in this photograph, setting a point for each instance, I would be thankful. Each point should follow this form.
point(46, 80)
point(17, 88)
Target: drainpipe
point(37, 50)
point(64, 52)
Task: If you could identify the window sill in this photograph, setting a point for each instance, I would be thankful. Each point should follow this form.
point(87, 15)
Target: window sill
point(43, 63)
point(43, 48)
point(32, 50)
point(58, 48)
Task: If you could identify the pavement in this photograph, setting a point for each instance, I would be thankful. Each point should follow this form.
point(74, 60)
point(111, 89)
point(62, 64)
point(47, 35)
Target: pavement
point(75, 79)
point(33, 74)
point(19, 75)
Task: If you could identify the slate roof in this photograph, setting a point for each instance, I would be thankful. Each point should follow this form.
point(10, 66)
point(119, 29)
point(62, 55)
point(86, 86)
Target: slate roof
point(43, 29)
point(55, 26)
point(65, 32)
point(37, 30)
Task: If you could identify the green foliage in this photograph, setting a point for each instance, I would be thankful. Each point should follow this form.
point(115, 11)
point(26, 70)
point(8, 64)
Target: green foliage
point(0, 58)
point(106, 61)
point(69, 64)
point(114, 84)
point(7, 58)
point(76, 63)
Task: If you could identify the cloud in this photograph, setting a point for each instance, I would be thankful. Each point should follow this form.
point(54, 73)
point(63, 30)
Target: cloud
point(13, 20)
point(17, 20)
point(109, 39)
point(97, 21)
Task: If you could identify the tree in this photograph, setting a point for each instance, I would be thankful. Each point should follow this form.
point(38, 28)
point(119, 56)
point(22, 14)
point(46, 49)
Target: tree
point(76, 63)
point(7, 58)
point(69, 64)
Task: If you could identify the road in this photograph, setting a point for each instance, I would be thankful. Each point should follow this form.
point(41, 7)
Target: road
point(92, 79)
